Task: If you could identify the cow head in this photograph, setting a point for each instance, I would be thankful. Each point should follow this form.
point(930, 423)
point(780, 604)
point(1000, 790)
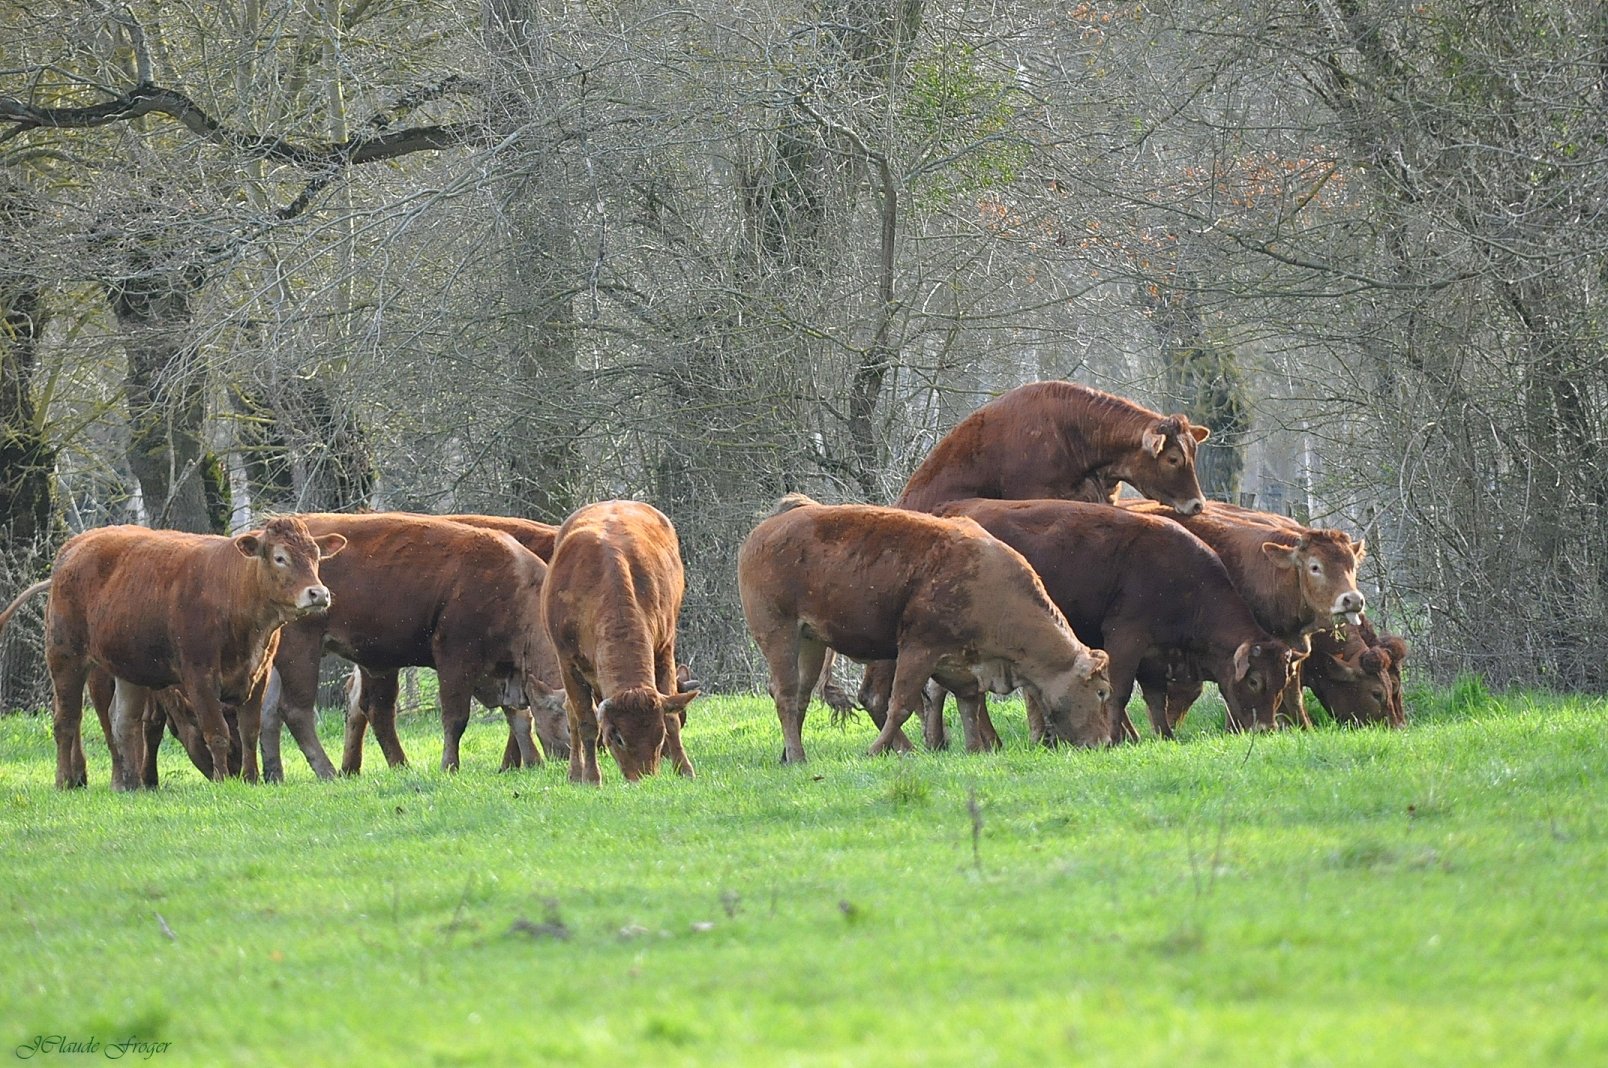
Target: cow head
point(1355, 688)
point(631, 724)
point(1260, 674)
point(1077, 700)
point(1325, 563)
point(1162, 466)
point(287, 556)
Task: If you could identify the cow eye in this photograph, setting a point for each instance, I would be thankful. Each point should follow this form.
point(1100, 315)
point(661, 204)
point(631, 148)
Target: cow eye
point(1254, 684)
point(616, 739)
point(1104, 695)
point(1315, 567)
point(281, 559)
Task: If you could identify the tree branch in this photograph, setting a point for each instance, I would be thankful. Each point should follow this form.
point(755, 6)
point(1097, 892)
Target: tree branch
point(147, 99)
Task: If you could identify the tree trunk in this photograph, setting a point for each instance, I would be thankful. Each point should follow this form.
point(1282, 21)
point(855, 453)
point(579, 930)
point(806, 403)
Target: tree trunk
point(166, 389)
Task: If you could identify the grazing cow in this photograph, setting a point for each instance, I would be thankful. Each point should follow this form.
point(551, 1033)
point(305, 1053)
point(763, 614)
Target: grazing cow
point(939, 597)
point(1136, 586)
point(1051, 440)
point(612, 602)
point(1296, 579)
point(415, 591)
point(159, 608)
point(1356, 673)
point(370, 695)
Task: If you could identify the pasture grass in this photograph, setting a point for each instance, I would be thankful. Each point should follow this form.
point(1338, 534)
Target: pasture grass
point(1336, 897)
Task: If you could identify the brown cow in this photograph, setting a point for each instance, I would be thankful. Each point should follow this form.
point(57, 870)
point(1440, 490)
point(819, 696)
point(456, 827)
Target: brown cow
point(415, 591)
point(612, 602)
point(1134, 586)
point(1356, 673)
point(159, 608)
point(1061, 440)
point(370, 695)
point(939, 597)
point(1296, 579)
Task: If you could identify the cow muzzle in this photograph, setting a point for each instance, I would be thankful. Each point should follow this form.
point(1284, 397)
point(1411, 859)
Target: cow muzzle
point(1193, 506)
point(1350, 605)
point(314, 599)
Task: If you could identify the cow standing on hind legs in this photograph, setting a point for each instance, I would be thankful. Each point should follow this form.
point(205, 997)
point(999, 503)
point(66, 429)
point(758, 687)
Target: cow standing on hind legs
point(612, 602)
point(1051, 440)
point(160, 608)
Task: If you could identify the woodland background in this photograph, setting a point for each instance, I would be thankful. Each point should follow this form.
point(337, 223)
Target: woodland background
point(517, 256)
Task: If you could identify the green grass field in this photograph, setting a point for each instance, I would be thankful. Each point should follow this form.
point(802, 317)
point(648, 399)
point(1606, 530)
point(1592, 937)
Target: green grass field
point(1435, 896)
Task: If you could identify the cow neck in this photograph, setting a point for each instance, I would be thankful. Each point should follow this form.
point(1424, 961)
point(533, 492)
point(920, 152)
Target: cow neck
point(1104, 434)
point(624, 654)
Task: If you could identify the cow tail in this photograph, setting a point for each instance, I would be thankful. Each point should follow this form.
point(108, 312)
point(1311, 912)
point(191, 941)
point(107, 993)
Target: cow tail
point(5, 617)
point(792, 501)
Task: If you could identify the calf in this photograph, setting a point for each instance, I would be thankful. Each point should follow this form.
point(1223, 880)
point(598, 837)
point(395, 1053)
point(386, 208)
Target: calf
point(415, 591)
point(938, 597)
point(159, 608)
point(1356, 673)
point(1136, 586)
point(612, 602)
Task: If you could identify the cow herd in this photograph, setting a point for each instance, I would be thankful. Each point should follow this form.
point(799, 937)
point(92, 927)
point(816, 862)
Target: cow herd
point(1007, 563)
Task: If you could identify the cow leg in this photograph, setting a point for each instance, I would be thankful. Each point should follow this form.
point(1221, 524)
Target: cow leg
point(520, 752)
point(674, 749)
point(357, 722)
point(102, 688)
point(911, 672)
point(933, 733)
point(975, 722)
point(876, 693)
point(296, 663)
point(1126, 650)
point(128, 735)
point(454, 697)
point(303, 724)
point(1156, 702)
point(665, 681)
point(381, 693)
point(153, 720)
point(1038, 731)
point(783, 655)
point(1292, 706)
point(67, 677)
point(578, 703)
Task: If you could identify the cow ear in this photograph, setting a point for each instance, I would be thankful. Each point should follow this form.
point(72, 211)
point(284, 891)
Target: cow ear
point(1200, 433)
point(1342, 669)
point(1282, 556)
point(249, 543)
point(1153, 440)
point(1242, 661)
point(679, 701)
point(1396, 647)
point(1360, 549)
point(1092, 663)
point(329, 545)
